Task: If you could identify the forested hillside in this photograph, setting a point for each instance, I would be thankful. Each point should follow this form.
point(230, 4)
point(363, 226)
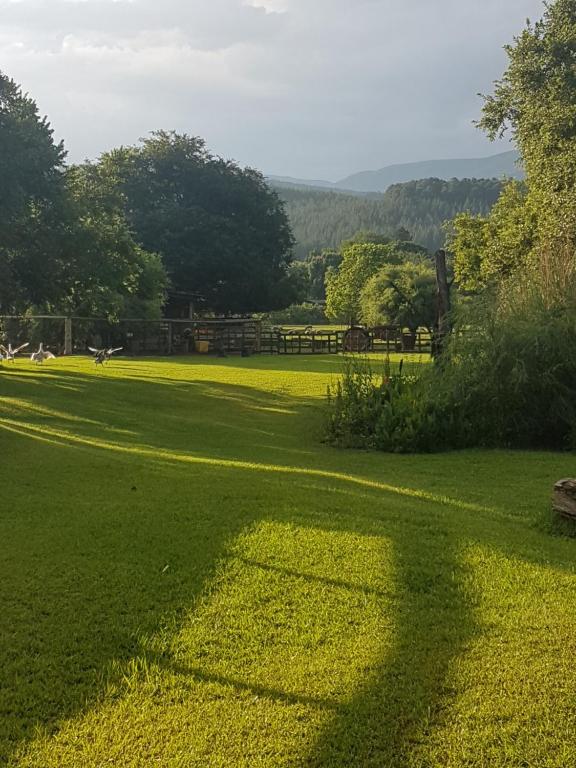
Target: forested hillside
point(324, 219)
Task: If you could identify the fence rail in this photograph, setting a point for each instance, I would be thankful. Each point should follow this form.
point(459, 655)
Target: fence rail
point(223, 336)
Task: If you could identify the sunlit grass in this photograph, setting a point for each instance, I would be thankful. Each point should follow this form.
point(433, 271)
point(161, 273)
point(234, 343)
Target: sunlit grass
point(190, 577)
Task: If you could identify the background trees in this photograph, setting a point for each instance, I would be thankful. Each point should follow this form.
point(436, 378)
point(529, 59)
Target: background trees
point(103, 239)
point(31, 163)
point(65, 246)
point(323, 220)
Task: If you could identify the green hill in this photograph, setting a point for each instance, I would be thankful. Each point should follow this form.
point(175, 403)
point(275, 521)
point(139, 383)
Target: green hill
point(323, 219)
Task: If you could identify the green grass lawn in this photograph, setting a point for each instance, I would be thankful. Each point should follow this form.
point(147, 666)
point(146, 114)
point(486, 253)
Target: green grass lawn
point(189, 577)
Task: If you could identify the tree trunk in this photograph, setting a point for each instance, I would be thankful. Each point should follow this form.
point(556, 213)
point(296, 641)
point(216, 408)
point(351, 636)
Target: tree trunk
point(443, 324)
point(564, 501)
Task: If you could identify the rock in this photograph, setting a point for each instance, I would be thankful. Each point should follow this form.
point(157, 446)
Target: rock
point(564, 501)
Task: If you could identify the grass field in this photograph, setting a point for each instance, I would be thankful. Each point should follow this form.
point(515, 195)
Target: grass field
point(189, 577)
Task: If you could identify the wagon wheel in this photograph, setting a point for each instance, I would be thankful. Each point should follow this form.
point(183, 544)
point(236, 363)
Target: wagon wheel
point(356, 340)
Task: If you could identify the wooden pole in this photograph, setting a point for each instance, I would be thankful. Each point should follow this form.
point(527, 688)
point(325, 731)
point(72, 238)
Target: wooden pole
point(170, 336)
point(443, 323)
point(68, 336)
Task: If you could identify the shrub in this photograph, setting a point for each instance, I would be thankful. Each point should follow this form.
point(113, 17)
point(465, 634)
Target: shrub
point(507, 379)
point(390, 412)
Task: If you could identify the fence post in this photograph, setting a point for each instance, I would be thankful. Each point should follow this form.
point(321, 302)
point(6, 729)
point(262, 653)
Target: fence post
point(68, 336)
point(258, 341)
point(443, 324)
point(170, 332)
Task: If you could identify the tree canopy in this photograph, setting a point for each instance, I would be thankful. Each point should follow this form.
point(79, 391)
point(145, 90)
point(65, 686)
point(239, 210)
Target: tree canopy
point(536, 100)
point(102, 270)
point(400, 294)
point(31, 186)
point(65, 245)
point(221, 232)
point(489, 249)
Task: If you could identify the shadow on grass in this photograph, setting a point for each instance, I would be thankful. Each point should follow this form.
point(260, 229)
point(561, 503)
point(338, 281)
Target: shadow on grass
point(406, 693)
point(81, 583)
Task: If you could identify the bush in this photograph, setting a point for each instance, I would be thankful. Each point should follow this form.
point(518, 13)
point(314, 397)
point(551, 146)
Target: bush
point(507, 379)
point(390, 412)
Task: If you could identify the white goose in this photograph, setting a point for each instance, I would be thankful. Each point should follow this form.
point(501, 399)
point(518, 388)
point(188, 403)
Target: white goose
point(41, 354)
point(9, 352)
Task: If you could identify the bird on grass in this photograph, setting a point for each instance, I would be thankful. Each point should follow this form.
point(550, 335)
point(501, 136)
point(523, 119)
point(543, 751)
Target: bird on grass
point(102, 356)
point(9, 352)
point(41, 354)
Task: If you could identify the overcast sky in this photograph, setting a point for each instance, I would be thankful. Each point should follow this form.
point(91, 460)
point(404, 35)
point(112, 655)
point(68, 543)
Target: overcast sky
point(308, 88)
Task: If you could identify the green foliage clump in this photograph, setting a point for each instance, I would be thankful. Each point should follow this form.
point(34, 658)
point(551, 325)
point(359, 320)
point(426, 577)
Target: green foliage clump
point(317, 265)
point(488, 249)
point(400, 294)
point(360, 262)
point(508, 379)
point(385, 412)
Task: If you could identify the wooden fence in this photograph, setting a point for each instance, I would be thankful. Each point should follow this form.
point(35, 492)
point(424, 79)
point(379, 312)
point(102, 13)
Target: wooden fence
point(218, 336)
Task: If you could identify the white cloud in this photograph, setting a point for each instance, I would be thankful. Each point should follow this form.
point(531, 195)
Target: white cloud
point(270, 6)
point(300, 87)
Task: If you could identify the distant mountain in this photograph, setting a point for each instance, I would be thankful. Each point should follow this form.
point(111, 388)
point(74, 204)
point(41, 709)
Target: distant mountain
point(289, 181)
point(493, 167)
point(285, 182)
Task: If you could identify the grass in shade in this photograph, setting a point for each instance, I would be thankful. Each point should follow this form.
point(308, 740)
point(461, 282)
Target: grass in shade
point(189, 577)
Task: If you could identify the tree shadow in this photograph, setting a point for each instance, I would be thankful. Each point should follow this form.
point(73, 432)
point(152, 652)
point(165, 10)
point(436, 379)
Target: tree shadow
point(80, 584)
point(406, 693)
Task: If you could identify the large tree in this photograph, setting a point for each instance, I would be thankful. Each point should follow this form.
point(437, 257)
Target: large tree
point(221, 232)
point(31, 187)
point(100, 270)
point(536, 101)
point(65, 245)
point(400, 294)
point(532, 228)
